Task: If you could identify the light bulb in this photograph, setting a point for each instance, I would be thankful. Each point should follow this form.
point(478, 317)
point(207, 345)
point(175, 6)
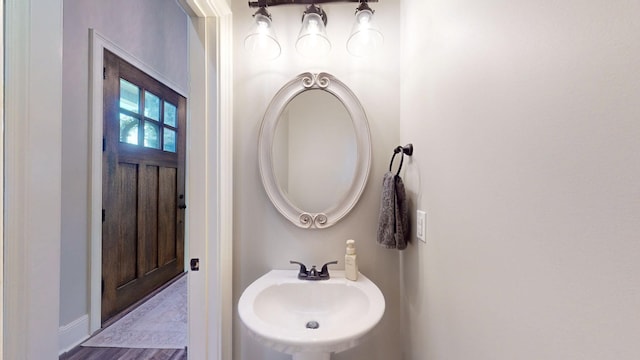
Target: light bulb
point(363, 17)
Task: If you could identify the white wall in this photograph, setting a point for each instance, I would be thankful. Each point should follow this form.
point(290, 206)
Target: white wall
point(154, 32)
point(524, 116)
point(263, 239)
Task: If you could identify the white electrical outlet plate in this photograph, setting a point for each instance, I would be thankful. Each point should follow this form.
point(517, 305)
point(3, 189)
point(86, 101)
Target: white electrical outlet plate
point(421, 225)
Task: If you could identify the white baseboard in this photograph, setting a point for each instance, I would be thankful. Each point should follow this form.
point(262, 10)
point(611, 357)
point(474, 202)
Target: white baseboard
point(73, 334)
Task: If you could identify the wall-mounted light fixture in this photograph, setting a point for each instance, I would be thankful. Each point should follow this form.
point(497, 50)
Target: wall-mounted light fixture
point(312, 40)
point(261, 40)
point(365, 36)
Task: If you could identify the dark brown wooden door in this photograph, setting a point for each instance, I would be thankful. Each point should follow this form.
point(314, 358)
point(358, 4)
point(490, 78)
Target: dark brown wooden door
point(143, 185)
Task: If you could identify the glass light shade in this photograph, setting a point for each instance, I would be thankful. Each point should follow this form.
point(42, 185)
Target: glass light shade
point(261, 40)
point(365, 37)
point(312, 40)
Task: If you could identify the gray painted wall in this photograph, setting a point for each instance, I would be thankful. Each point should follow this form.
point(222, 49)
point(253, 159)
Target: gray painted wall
point(525, 119)
point(154, 32)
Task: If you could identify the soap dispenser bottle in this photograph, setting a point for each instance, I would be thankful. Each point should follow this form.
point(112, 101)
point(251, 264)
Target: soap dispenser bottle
point(350, 261)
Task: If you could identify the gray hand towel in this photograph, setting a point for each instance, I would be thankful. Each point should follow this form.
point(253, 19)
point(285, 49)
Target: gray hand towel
point(393, 220)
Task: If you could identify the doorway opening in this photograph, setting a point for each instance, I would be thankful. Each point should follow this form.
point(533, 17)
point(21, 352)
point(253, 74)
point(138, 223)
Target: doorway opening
point(138, 184)
point(143, 185)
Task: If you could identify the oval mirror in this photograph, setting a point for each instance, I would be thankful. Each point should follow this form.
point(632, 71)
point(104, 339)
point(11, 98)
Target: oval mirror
point(314, 150)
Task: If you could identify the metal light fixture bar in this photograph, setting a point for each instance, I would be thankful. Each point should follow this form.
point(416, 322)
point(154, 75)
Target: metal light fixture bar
point(263, 3)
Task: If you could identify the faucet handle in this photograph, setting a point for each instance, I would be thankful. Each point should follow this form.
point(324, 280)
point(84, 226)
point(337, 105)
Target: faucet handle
point(303, 273)
point(325, 270)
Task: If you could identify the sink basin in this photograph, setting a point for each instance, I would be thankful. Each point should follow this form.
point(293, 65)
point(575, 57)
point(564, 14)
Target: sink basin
point(310, 319)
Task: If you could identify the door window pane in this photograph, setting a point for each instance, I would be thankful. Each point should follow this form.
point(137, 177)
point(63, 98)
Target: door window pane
point(169, 140)
point(169, 114)
point(128, 129)
point(129, 96)
point(151, 135)
point(151, 106)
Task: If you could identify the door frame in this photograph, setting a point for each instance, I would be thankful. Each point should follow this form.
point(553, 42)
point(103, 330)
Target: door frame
point(32, 178)
point(209, 169)
point(1, 179)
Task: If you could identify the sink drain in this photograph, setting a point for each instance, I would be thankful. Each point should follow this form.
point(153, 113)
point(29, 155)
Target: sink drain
point(313, 325)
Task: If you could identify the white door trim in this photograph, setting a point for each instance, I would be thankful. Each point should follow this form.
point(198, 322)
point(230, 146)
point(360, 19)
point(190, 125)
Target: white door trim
point(211, 177)
point(1, 179)
point(1, 182)
point(32, 178)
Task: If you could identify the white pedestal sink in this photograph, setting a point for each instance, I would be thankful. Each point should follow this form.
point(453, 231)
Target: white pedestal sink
point(310, 319)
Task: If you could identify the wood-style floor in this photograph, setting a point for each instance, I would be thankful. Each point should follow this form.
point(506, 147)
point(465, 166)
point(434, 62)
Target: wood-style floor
point(100, 353)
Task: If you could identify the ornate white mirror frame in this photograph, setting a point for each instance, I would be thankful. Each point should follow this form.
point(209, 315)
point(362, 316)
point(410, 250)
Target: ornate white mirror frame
point(328, 217)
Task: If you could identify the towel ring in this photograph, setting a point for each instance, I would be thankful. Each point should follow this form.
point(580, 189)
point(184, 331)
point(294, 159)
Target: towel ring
point(407, 149)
